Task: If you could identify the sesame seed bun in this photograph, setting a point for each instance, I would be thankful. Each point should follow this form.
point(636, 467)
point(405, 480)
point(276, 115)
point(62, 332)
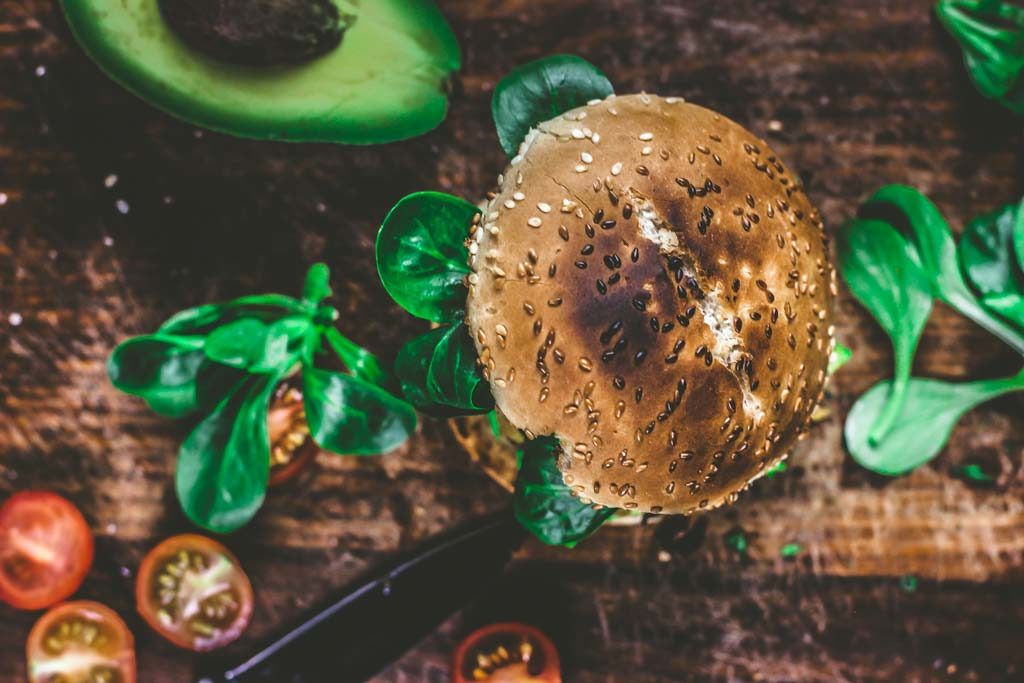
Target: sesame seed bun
point(652, 286)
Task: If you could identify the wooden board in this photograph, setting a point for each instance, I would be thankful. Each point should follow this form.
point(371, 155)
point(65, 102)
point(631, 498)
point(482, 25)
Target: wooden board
point(114, 215)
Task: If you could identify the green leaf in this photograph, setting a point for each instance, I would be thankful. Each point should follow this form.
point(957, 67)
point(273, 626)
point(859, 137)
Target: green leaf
point(545, 506)
point(160, 369)
point(989, 264)
point(318, 284)
point(839, 357)
point(881, 270)
point(991, 35)
point(540, 91)
point(422, 256)
point(1018, 240)
point(439, 375)
point(257, 347)
point(357, 360)
point(975, 472)
point(931, 410)
point(202, 320)
point(224, 464)
point(790, 550)
point(349, 416)
point(918, 218)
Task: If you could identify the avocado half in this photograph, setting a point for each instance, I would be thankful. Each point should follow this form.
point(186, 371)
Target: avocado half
point(386, 80)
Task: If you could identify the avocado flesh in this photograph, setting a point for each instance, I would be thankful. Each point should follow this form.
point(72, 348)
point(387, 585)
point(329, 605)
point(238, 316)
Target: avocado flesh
point(384, 82)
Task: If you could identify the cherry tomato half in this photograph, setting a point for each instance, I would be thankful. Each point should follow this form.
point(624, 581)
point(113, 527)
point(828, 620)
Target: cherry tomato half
point(194, 593)
point(46, 549)
point(291, 446)
point(81, 642)
point(507, 653)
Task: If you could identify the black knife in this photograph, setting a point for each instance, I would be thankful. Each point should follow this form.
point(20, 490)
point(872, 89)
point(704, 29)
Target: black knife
point(377, 619)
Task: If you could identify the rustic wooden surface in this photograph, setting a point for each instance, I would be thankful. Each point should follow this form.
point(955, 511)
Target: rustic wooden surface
point(114, 215)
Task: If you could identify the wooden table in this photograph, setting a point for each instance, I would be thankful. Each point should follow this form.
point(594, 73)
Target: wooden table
point(114, 215)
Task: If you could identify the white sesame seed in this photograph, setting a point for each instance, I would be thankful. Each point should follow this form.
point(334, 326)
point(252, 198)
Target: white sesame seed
point(577, 133)
point(775, 125)
point(646, 150)
point(474, 278)
point(474, 248)
point(646, 136)
point(110, 181)
point(519, 196)
point(591, 103)
point(581, 168)
point(534, 222)
point(509, 204)
point(595, 138)
point(587, 132)
point(15, 319)
point(544, 207)
point(587, 158)
point(122, 206)
point(617, 168)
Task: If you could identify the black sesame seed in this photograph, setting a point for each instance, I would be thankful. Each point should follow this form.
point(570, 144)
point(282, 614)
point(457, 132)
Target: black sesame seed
point(589, 229)
point(708, 360)
point(598, 215)
point(627, 211)
point(638, 394)
point(602, 287)
point(620, 345)
point(587, 249)
point(581, 264)
point(607, 225)
point(639, 304)
point(634, 255)
point(665, 327)
point(619, 383)
point(613, 278)
point(655, 326)
point(639, 357)
point(607, 356)
point(671, 358)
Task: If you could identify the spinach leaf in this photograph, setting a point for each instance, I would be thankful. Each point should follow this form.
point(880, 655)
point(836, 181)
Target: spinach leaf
point(422, 256)
point(202, 320)
point(545, 506)
point(882, 271)
point(224, 464)
point(160, 369)
point(438, 371)
point(357, 360)
point(909, 210)
point(318, 284)
point(923, 426)
point(540, 91)
point(252, 345)
point(839, 357)
point(991, 35)
point(1018, 240)
point(349, 416)
point(987, 260)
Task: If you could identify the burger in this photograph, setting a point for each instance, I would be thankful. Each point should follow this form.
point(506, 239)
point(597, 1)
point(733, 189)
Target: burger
point(650, 286)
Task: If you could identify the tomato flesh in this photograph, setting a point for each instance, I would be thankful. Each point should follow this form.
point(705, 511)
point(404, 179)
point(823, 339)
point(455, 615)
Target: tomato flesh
point(81, 642)
point(193, 592)
point(291, 446)
point(507, 653)
point(46, 549)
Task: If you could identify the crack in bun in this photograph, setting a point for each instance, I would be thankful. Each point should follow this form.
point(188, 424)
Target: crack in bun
point(651, 285)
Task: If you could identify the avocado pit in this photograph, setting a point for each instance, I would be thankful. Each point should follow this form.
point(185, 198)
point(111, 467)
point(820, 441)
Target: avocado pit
point(258, 32)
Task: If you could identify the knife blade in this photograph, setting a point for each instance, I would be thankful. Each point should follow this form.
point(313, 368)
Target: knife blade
point(377, 619)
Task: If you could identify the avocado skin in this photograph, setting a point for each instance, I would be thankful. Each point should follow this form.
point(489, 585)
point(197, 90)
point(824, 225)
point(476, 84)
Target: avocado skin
point(256, 32)
point(387, 80)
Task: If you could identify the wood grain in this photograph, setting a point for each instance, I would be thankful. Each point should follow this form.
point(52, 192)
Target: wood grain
point(114, 215)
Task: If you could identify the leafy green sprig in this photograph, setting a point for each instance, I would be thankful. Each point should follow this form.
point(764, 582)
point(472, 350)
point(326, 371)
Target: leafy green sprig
point(991, 34)
point(896, 257)
point(223, 362)
point(422, 259)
